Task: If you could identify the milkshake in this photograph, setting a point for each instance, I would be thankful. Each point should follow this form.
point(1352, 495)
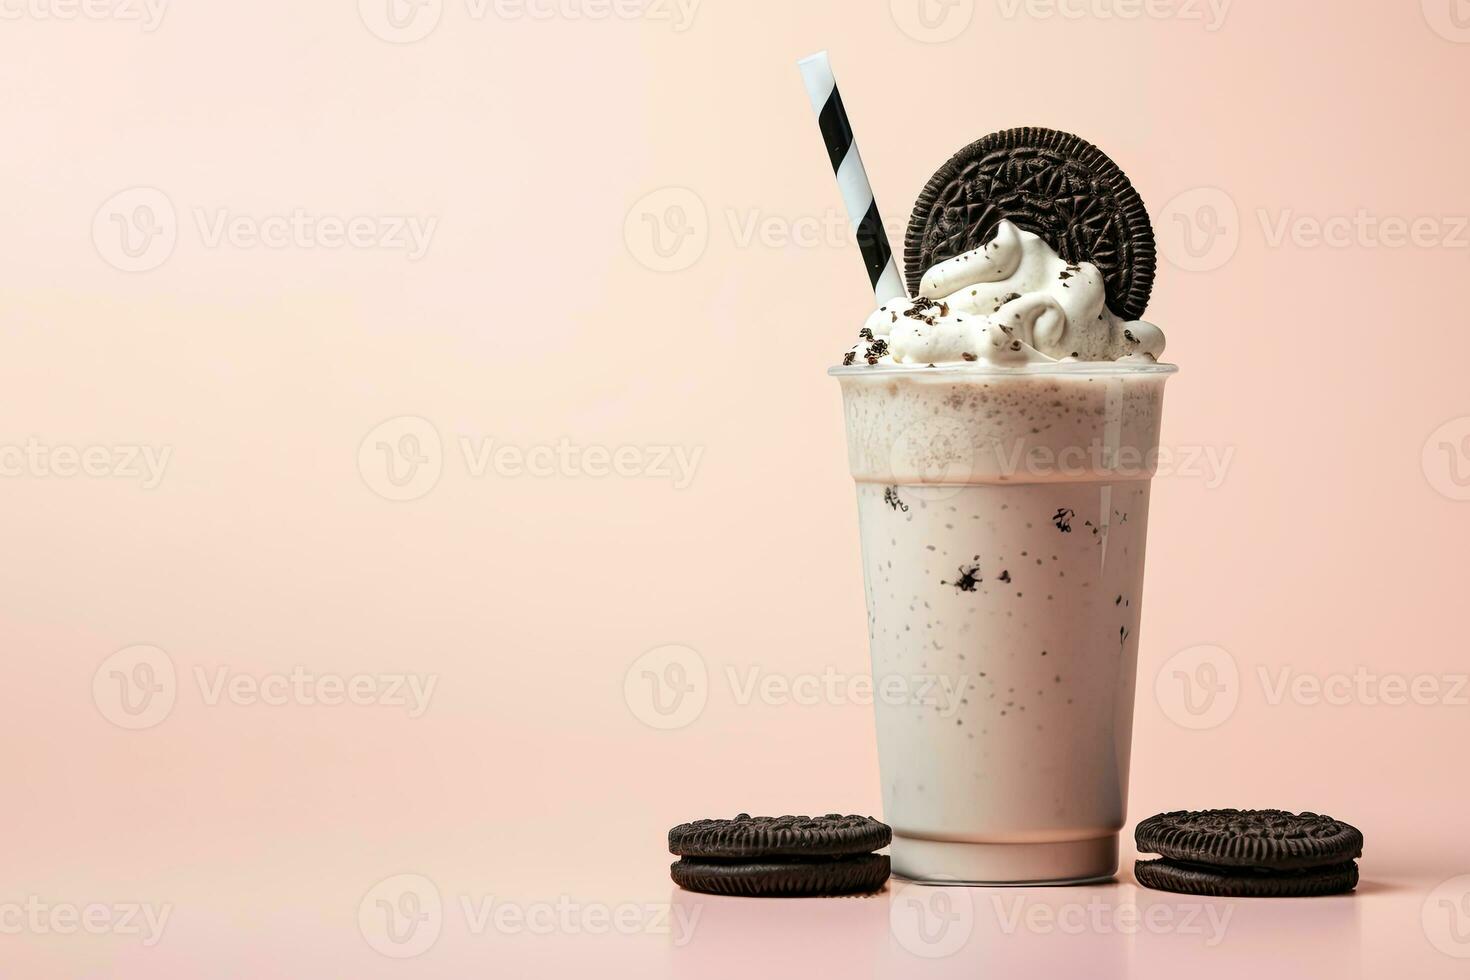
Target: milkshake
point(1002, 430)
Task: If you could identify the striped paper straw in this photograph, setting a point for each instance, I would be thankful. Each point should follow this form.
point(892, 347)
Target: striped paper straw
point(852, 179)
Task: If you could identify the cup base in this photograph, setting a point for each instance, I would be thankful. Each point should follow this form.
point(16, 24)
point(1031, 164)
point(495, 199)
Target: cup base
point(1073, 862)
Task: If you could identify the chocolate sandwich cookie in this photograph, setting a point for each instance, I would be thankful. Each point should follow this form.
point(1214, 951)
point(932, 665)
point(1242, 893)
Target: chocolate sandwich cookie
point(849, 875)
point(1248, 853)
point(1050, 183)
point(775, 856)
point(1334, 879)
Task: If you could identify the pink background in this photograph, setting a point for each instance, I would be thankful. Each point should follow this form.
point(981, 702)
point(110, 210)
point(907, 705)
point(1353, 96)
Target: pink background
point(537, 315)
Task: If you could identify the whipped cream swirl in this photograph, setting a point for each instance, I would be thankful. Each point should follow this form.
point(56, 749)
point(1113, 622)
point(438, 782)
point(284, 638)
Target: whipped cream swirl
point(1011, 301)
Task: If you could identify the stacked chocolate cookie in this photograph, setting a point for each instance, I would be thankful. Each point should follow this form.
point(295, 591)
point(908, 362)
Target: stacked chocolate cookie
point(1248, 853)
point(781, 856)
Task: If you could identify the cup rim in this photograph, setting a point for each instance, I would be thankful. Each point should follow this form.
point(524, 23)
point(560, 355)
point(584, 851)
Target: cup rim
point(1058, 369)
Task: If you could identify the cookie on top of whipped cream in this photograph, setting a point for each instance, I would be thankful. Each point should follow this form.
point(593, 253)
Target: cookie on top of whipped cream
point(1012, 301)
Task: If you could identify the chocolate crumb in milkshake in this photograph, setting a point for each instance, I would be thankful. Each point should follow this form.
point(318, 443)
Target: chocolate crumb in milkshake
point(969, 577)
point(848, 358)
point(1005, 576)
point(891, 498)
point(1002, 301)
point(921, 304)
point(1063, 520)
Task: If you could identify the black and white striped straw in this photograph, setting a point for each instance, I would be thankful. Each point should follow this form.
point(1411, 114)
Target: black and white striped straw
point(852, 179)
